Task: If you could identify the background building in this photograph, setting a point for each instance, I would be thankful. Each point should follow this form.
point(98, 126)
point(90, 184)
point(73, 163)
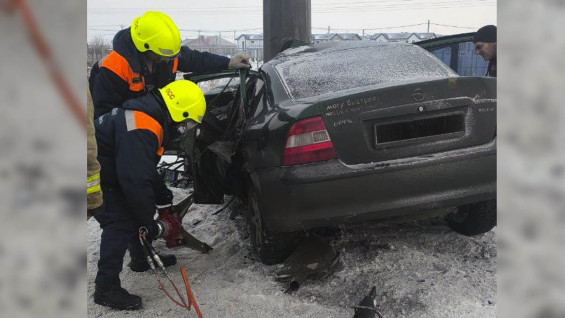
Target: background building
point(405, 37)
point(213, 44)
point(252, 44)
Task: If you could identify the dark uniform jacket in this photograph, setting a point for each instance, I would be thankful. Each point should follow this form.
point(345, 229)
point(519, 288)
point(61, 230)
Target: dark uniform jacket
point(123, 73)
point(130, 144)
point(491, 69)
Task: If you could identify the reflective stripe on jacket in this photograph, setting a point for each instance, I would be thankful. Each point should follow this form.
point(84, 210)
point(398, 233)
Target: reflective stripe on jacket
point(93, 183)
point(138, 120)
point(93, 192)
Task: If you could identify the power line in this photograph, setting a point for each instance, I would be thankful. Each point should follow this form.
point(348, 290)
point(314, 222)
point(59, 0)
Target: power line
point(322, 8)
point(326, 5)
point(240, 31)
point(382, 1)
point(95, 28)
point(396, 27)
point(400, 3)
point(216, 31)
point(446, 5)
point(454, 26)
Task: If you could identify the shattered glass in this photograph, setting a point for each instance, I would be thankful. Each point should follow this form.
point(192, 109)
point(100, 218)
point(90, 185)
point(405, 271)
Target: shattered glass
point(328, 67)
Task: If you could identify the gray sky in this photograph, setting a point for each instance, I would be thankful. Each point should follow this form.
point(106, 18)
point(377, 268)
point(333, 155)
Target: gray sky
point(106, 17)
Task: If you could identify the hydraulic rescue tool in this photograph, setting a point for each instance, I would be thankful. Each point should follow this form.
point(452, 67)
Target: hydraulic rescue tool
point(184, 238)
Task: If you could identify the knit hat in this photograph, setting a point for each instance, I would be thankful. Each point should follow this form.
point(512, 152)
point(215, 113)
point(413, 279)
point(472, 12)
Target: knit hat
point(486, 34)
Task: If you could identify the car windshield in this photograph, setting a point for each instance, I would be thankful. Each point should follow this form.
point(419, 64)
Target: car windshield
point(311, 71)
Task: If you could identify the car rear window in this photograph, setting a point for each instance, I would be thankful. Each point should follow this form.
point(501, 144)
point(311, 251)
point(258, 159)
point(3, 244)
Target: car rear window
point(329, 68)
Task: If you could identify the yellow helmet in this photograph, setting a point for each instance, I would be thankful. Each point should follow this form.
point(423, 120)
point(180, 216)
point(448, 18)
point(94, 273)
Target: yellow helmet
point(184, 100)
point(155, 31)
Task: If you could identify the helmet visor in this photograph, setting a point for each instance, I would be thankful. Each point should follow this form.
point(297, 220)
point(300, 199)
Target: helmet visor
point(167, 58)
point(160, 58)
point(167, 53)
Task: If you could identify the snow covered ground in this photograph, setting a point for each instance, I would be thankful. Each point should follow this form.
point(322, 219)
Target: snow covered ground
point(420, 269)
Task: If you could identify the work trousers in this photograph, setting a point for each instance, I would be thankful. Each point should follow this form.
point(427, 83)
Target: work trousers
point(119, 233)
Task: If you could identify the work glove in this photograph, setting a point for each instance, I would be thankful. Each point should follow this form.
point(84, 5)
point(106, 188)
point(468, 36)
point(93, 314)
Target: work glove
point(163, 196)
point(151, 230)
point(169, 227)
point(240, 60)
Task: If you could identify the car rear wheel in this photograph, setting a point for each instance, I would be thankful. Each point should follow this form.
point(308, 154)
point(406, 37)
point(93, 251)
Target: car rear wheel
point(271, 249)
point(473, 219)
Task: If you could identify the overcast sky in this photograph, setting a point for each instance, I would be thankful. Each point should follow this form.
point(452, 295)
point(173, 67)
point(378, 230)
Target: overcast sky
point(106, 17)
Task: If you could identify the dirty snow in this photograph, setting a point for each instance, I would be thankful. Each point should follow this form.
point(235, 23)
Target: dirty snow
point(420, 269)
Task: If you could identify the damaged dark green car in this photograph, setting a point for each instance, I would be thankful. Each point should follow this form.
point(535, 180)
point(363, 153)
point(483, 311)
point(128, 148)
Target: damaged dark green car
point(346, 132)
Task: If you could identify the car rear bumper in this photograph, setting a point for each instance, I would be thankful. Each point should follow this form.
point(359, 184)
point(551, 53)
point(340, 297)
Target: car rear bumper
point(330, 193)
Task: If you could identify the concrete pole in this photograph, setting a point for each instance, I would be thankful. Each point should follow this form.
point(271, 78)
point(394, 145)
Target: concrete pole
point(285, 20)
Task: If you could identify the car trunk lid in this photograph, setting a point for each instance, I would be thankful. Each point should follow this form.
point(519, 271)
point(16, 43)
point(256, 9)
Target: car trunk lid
point(413, 119)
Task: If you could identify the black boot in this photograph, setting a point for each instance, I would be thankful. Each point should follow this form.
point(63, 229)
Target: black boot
point(116, 297)
point(139, 264)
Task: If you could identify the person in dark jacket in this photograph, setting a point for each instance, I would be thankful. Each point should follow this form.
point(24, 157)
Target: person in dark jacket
point(130, 143)
point(485, 46)
point(146, 56)
point(93, 190)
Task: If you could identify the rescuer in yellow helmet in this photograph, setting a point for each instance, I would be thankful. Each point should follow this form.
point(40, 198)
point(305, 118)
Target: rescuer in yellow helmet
point(130, 143)
point(146, 56)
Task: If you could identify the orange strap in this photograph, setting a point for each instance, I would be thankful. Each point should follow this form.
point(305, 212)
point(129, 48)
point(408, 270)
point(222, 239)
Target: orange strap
point(75, 105)
point(139, 120)
point(175, 64)
point(120, 66)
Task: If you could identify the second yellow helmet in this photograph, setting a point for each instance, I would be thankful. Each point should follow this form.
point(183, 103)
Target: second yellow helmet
point(155, 31)
point(184, 100)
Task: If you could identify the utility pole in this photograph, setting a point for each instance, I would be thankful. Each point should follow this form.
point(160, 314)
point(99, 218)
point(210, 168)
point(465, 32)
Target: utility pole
point(328, 29)
point(428, 32)
point(284, 21)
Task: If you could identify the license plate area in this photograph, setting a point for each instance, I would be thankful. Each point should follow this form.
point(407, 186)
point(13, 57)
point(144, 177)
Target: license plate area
point(419, 129)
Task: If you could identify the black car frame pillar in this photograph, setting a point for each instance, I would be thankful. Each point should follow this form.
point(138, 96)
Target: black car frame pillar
point(284, 21)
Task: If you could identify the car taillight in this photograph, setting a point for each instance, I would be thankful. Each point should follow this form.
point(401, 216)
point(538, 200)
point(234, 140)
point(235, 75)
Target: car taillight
point(308, 141)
